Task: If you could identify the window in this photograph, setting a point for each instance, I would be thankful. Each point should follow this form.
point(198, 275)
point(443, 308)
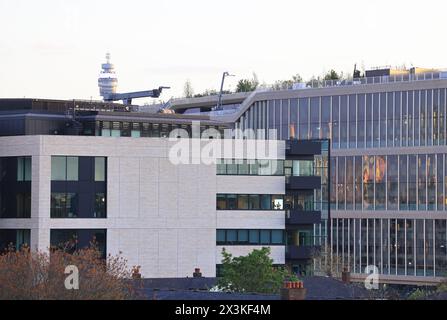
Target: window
point(232, 202)
point(64, 205)
point(24, 169)
point(100, 205)
point(64, 168)
point(254, 202)
point(74, 239)
point(14, 238)
point(221, 202)
point(277, 203)
point(265, 200)
point(100, 168)
point(254, 237)
point(220, 237)
point(242, 202)
point(265, 237)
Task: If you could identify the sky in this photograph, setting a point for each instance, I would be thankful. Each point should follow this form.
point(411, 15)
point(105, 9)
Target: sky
point(54, 48)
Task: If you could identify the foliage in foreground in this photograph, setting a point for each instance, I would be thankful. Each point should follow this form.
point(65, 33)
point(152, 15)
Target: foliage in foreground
point(253, 273)
point(35, 275)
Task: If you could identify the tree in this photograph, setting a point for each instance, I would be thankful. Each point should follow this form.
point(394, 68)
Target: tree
point(247, 85)
point(188, 91)
point(332, 75)
point(328, 262)
point(287, 84)
point(30, 275)
point(252, 273)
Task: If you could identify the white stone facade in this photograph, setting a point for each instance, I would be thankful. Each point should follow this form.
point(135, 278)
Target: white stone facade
point(161, 216)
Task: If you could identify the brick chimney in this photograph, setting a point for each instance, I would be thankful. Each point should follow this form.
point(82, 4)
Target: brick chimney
point(197, 273)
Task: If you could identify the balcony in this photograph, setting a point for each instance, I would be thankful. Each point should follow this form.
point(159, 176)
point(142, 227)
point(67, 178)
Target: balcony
point(303, 147)
point(298, 252)
point(303, 182)
point(300, 217)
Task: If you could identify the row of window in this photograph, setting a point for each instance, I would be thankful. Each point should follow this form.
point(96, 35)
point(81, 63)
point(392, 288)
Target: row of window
point(250, 167)
point(272, 167)
point(250, 237)
point(415, 247)
point(404, 182)
point(383, 119)
point(250, 202)
point(65, 168)
point(136, 129)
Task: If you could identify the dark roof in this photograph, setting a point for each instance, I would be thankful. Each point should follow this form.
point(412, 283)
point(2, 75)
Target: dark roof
point(318, 288)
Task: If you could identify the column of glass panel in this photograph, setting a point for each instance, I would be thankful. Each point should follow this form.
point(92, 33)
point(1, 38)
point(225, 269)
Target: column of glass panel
point(392, 182)
point(314, 118)
point(371, 245)
point(380, 183)
point(410, 258)
point(352, 118)
point(285, 117)
point(369, 121)
point(410, 117)
point(440, 248)
point(430, 117)
point(440, 182)
point(423, 117)
point(403, 183)
point(341, 182)
point(303, 118)
point(387, 245)
point(294, 117)
point(417, 117)
point(422, 182)
point(376, 123)
point(368, 183)
point(326, 128)
point(390, 120)
point(361, 103)
point(404, 118)
point(435, 117)
point(397, 117)
point(431, 182)
point(382, 119)
point(401, 247)
point(333, 182)
point(442, 117)
point(358, 181)
point(419, 234)
point(335, 106)
point(393, 246)
point(349, 183)
point(344, 122)
point(429, 243)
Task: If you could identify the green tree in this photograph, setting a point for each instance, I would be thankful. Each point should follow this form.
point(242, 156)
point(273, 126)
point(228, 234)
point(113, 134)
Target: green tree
point(247, 85)
point(332, 75)
point(252, 273)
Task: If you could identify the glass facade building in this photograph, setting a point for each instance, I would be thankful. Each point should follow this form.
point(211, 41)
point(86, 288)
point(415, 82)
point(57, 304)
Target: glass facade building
point(387, 170)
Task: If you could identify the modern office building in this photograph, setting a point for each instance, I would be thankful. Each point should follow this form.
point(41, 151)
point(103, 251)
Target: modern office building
point(72, 170)
point(388, 163)
point(363, 169)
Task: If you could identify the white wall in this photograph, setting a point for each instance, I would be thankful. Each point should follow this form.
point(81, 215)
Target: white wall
point(159, 215)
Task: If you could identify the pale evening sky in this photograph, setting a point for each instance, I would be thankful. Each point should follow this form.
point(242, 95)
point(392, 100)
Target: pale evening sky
point(54, 48)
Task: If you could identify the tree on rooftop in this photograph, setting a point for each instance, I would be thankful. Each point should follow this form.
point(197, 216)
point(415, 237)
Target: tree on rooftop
point(253, 273)
point(188, 91)
point(332, 75)
point(247, 85)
